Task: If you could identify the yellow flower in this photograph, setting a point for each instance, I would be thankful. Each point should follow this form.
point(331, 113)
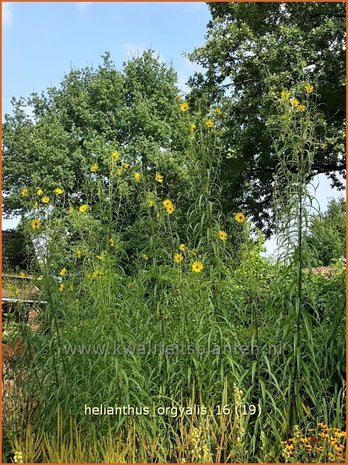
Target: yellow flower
point(193, 127)
point(36, 224)
point(222, 235)
point(159, 178)
point(239, 217)
point(39, 192)
point(119, 171)
point(78, 253)
point(178, 98)
point(111, 243)
point(61, 287)
point(309, 88)
point(18, 457)
point(22, 275)
point(125, 165)
point(63, 272)
point(184, 106)
point(137, 177)
point(197, 266)
point(145, 257)
point(294, 102)
point(285, 95)
point(209, 123)
point(218, 111)
point(301, 108)
point(169, 206)
point(24, 192)
point(71, 209)
point(84, 208)
point(45, 199)
point(182, 247)
point(58, 191)
point(178, 258)
point(94, 168)
point(35, 205)
point(115, 156)
point(97, 274)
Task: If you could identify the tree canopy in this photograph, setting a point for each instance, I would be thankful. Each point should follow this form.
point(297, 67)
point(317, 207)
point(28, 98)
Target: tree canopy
point(253, 49)
point(327, 235)
point(52, 139)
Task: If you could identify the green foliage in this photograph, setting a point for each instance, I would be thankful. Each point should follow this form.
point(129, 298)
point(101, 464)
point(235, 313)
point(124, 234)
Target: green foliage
point(92, 113)
point(293, 41)
point(157, 292)
point(327, 234)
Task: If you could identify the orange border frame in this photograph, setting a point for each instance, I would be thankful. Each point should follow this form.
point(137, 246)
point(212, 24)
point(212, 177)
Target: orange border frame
point(164, 1)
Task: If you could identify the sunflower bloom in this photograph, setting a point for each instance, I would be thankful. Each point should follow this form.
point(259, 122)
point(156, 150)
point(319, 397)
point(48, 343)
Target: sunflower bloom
point(97, 274)
point(209, 123)
point(193, 127)
point(36, 224)
point(301, 108)
point(58, 191)
point(178, 98)
point(168, 206)
point(178, 258)
point(39, 192)
point(285, 95)
point(125, 165)
point(137, 177)
point(24, 192)
point(61, 287)
point(78, 253)
point(35, 205)
point(182, 247)
point(239, 217)
point(63, 272)
point(218, 111)
point(84, 208)
point(115, 156)
point(45, 199)
point(119, 171)
point(159, 178)
point(197, 266)
point(309, 88)
point(184, 106)
point(222, 235)
point(94, 168)
point(294, 102)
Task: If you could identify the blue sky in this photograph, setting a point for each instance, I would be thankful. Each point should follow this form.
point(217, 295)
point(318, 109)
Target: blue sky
point(42, 41)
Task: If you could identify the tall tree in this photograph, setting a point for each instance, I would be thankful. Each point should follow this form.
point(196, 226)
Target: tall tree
point(52, 139)
point(250, 49)
point(327, 235)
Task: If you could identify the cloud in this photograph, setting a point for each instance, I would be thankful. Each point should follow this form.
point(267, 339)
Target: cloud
point(82, 7)
point(7, 14)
